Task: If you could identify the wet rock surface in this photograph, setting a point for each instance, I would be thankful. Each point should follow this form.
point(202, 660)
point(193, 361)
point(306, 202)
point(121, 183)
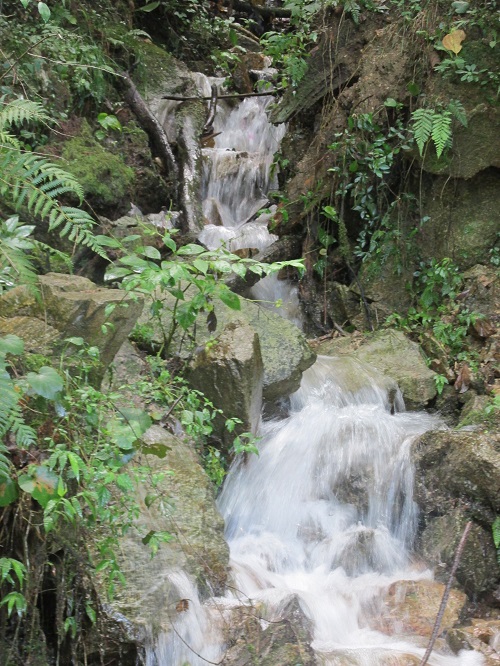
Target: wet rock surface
point(230, 374)
point(393, 355)
point(482, 636)
point(410, 608)
point(285, 640)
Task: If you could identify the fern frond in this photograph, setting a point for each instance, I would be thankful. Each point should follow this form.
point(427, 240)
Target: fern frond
point(22, 110)
point(15, 268)
point(422, 126)
point(7, 139)
point(354, 9)
point(456, 108)
point(441, 131)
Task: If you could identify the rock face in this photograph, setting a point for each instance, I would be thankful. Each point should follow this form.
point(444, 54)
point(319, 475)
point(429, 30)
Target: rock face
point(464, 218)
point(186, 509)
point(69, 306)
point(285, 351)
point(395, 356)
point(286, 641)
point(230, 374)
point(458, 478)
point(482, 636)
point(410, 608)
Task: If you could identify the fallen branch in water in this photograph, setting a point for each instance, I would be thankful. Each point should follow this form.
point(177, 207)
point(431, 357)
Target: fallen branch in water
point(446, 593)
point(180, 98)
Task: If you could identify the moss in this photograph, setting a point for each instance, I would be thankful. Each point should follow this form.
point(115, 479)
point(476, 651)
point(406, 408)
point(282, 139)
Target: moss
point(103, 175)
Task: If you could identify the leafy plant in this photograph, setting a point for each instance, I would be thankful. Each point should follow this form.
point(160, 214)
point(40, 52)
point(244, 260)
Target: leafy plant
point(191, 275)
point(34, 183)
point(496, 535)
point(430, 124)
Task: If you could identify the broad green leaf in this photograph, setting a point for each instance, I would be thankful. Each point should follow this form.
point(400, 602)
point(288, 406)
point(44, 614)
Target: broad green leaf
point(191, 249)
point(230, 299)
point(151, 252)
point(11, 344)
point(41, 484)
point(158, 450)
point(151, 6)
point(201, 265)
point(44, 11)
point(8, 491)
point(186, 315)
point(107, 241)
point(46, 383)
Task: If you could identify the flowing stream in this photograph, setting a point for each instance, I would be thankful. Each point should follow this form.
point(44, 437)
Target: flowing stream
point(325, 513)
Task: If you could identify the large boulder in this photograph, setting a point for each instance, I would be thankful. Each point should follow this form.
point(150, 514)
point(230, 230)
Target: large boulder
point(457, 478)
point(285, 640)
point(409, 608)
point(464, 218)
point(185, 508)
point(285, 351)
point(230, 374)
point(393, 355)
point(482, 636)
point(477, 571)
point(176, 497)
point(456, 466)
point(69, 306)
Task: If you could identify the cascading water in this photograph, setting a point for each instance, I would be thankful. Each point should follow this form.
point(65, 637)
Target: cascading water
point(325, 512)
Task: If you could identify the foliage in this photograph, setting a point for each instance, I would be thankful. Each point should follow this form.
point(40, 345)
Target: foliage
point(437, 125)
point(191, 276)
point(496, 535)
point(87, 441)
point(34, 184)
point(438, 314)
point(289, 52)
point(366, 155)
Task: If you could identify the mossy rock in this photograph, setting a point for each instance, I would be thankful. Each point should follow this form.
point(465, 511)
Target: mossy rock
point(104, 176)
point(464, 218)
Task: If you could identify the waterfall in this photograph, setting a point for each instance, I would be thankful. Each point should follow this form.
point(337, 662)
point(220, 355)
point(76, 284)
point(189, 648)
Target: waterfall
point(325, 512)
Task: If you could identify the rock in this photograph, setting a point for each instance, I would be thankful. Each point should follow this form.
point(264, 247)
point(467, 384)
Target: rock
point(185, 507)
point(464, 218)
point(70, 306)
point(458, 465)
point(482, 636)
point(392, 354)
point(285, 641)
point(285, 351)
point(478, 571)
point(230, 374)
point(410, 607)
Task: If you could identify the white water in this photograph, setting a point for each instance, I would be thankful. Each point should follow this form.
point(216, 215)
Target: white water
point(295, 528)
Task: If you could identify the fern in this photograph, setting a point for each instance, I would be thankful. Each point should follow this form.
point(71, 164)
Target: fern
point(354, 9)
point(422, 126)
point(35, 182)
point(441, 131)
point(457, 110)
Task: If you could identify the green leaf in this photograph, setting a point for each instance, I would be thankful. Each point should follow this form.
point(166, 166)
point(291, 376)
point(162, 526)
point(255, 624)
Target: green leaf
point(11, 344)
point(106, 241)
point(390, 102)
point(8, 491)
point(151, 252)
point(46, 383)
point(190, 249)
point(158, 450)
point(151, 6)
point(201, 265)
point(41, 484)
point(229, 298)
point(44, 11)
